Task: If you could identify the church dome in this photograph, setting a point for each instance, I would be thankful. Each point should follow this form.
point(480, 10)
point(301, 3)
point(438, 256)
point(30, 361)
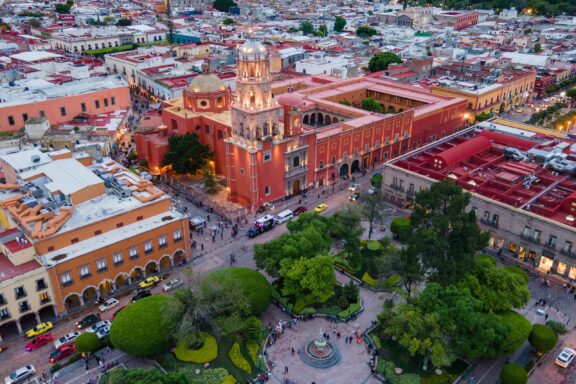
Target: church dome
point(252, 49)
point(206, 84)
point(290, 99)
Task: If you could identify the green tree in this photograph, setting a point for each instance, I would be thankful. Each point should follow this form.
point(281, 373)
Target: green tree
point(517, 331)
point(186, 154)
point(223, 5)
point(446, 236)
point(228, 21)
point(513, 374)
point(542, 338)
point(571, 93)
point(322, 31)
point(370, 12)
point(402, 262)
point(70, 2)
point(293, 30)
point(307, 28)
point(401, 227)
point(62, 8)
point(253, 328)
point(365, 31)
point(372, 105)
point(382, 60)
point(372, 207)
point(339, 24)
point(308, 276)
point(210, 184)
point(169, 22)
point(87, 342)
point(123, 22)
point(376, 181)
point(35, 23)
point(537, 48)
point(146, 327)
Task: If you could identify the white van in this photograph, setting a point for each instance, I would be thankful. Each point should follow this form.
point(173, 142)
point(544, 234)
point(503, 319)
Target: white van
point(284, 216)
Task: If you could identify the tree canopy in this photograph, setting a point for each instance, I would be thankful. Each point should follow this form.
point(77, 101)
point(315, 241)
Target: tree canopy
point(223, 5)
point(382, 60)
point(307, 28)
point(542, 338)
point(308, 276)
point(372, 105)
point(228, 21)
point(124, 22)
point(513, 374)
point(339, 24)
point(366, 31)
point(62, 8)
point(186, 154)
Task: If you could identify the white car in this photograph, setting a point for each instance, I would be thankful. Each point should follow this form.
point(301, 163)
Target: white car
point(108, 304)
point(354, 187)
point(20, 374)
point(372, 190)
point(96, 327)
point(170, 285)
point(103, 332)
point(66, 339)
point(565, 357)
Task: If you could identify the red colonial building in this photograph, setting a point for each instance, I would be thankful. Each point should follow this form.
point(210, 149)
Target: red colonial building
point(278, 139)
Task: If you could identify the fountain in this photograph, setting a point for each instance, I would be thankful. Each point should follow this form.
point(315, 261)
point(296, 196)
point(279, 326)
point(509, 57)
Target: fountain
point(320, 353)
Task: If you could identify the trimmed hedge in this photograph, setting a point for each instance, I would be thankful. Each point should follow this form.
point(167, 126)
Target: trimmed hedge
point(366, 278)
point(391, 282)
point(253, 349)
point(513, 374)
point(144, 328)
point(401, 227)
point(542, 338)
point(254, 285)
point(206, 353)
point(238, 359)
point(229, 380)
point(352, 309)
point(87, 342)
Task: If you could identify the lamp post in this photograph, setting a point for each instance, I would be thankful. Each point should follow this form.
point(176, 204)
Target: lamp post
point(259, 362)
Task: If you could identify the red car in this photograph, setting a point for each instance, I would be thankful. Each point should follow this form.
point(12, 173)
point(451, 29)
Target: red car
point(64, 351)
point(299, 210)
point(39, 341)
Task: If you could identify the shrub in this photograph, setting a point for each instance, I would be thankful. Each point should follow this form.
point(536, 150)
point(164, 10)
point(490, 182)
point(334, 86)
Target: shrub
point(366, 278)
point(391, 282)
point(308, 311)
point(145, 327)
point(558, 328)
point(253, 284)
point(253, 328)
point(87, 342)
point(519, 330)
point(205, 354)
point(352, 309)
point(229, 380)
point(401, 227)
point(253, 349)
point(373, 245)
point(238, 359)
point(513, 374)
point(542, 338)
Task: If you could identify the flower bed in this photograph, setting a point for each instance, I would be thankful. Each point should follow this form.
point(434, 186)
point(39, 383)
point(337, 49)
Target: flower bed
point(205, 354)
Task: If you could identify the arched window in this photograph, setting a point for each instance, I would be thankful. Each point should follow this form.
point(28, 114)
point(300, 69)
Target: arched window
point(241, 129)
point(274, 129)
point(266, 129)
point(258, 133)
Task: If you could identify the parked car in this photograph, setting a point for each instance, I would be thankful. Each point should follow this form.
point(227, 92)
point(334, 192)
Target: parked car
point(108, 304)
point(320, 208)
point(300, 210)
point(354, 187)
point(372, 190)
point(103, 332)
point(62, 352)
point(141, 295)
point(39, 341)
point(20, 374)
point(88, 321)
point(117, 311)
point(149, 282)
point(66, 339)
point(566, 357)
point(171, 284)
point(354, 197)
point(40, 329)
point(95, 327)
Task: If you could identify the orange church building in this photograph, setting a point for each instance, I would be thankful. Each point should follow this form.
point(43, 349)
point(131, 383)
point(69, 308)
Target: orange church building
point(276, 140)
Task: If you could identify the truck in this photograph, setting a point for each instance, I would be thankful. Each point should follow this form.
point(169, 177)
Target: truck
point(261, 225)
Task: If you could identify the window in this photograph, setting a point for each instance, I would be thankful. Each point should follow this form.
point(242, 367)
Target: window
point(63, 111)
point(162, 242)
point(23, 306)
point(133, 253)
point(241, 171)
point(42, 114)
point(113, 100)
point(11, 120)
point(2, 299)
point(321, 164)
point(495, 219)
point(567, 249)
point(97, 232)
point(117, 258)
point(97, 104)
point(296, 161)
point(101, 265)
point(138, 218)
point(50, 248)
point(207, 128)
point(74, 240)
point(526, 232)
point(40, 285)
point(411, 189)
point(119, 225)
point(267, 156)
point(85, 271)
point(20, 292)
point(177, 235)
point(25, 117)
point(333, 159)
point(44, 298)
point(4, 314)
point(267, 190)
point(83, 107)
point(552, 241)
point(66, 279)
point(148, 247)
point(486, 216)
point(537, 234)
point(105, 102)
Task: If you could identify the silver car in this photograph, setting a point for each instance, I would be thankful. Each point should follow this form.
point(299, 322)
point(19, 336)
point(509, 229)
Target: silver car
point(66, 339)
point(20, 374)
point(108, 304)
point(96, 327)
point(170, 285)
point(103, 332)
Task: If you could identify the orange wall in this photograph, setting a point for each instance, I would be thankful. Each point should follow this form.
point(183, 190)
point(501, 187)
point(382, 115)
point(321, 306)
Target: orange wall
point(72, 104)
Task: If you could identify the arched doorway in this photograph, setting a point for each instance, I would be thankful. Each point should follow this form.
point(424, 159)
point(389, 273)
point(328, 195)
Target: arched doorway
point(90, 294)
point(47, 313)
point(502, 108)
point(72, 302)
point(334, 120)
point(365, 162)
point(136, 274)
point(179, 258)
point(296, 187)
point(327, 119)
point(390, 109)
point(306, 120)
point(355, 166)
point(122, 281)
point(321, 182)
point(9, 330)
point(313, 119)
point(28, 321)
point(151, 268)
point(344, 170)
point(320, 119)
point(106, 288)
point(165, 263)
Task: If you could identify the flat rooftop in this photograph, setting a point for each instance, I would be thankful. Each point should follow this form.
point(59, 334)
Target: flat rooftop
point(524, 169)
point(9, 271)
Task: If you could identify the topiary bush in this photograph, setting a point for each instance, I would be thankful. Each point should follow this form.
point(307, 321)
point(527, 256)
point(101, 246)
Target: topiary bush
point(519, 330)
point(253, 284)
point(238, 359)
point(145, 328)
point(87, 342)
point(401, 227)
point(205, 354)
point(513, 374)
point(253, 349)
point(542, 338)
point(558, 328)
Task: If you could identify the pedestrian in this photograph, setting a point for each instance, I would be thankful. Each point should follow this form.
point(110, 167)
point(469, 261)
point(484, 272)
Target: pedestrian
point(546, 317)
point(202, 246)
point(293, 351)
point(285, 369)
point(338, 335)
point(108, 350)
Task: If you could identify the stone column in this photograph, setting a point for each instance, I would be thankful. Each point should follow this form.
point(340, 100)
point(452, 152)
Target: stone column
point(19, 327)
point(37, 314)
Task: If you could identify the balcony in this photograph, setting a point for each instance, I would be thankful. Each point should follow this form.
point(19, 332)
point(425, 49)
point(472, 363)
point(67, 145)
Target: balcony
point(133, 257)
point(566, 251)
point(67, 283)
point(2, 300)
point(397, 187)
point(118, 263)
point(103, 269)
point(148, 251)
point(85, 276)
point(177, 239)
point(20, 294)
point(296, 171)
point(550, 246)
point(41, 286)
